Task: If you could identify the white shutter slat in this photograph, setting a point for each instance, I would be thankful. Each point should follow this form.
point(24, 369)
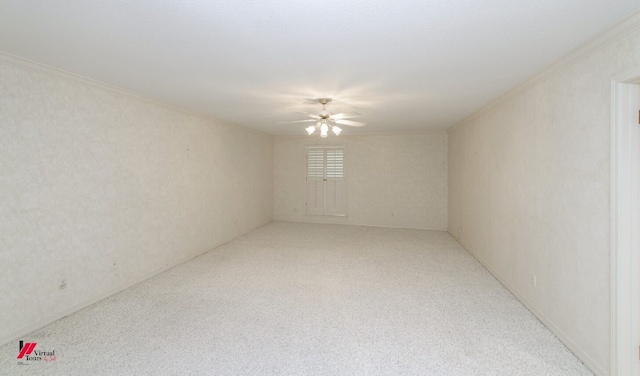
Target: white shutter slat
point(315, 163)
point(335, 163)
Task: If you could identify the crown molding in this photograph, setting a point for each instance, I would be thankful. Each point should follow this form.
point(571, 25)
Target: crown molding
point(42, 68)
point(628, 25)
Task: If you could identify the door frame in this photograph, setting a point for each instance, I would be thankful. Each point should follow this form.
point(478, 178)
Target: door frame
point(625, 292)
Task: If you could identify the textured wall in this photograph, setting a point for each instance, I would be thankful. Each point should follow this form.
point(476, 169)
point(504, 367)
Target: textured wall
point(397, 180)
point(103, 189)
point(529, 193)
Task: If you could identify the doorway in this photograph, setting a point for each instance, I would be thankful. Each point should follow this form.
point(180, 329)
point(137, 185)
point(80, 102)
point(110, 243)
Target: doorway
point(625, 225)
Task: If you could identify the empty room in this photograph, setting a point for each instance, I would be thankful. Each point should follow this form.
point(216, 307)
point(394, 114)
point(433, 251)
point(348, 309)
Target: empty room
point(331, 188)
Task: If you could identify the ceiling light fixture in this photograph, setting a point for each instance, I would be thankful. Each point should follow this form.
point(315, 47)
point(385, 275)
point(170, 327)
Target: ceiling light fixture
point(325, 121)
point(324, 126)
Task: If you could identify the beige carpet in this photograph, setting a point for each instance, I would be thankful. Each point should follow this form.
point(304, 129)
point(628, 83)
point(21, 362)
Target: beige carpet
point(303, 299)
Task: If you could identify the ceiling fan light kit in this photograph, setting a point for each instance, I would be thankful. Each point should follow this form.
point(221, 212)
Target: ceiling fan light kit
point(325, 121)
point(324, 127)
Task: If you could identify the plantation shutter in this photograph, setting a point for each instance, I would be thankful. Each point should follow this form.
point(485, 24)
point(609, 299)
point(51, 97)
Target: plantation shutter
point(315, 181)
point(315, 163)
point(335, 163)
point(326, 187)
point(335, 198)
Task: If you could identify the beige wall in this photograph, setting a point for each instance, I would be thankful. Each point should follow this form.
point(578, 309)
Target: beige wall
point(103, 189)
point(529, 193)
point(396, 180)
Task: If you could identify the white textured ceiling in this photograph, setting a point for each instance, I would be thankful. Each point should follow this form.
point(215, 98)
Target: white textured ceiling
point(407, 65)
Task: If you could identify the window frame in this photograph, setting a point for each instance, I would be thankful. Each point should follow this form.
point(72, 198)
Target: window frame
point(325, 179)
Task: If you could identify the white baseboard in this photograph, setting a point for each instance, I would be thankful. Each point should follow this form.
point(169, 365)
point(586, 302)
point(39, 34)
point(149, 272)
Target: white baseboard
point(26, 330)
point(359, 224)
point(564, 338)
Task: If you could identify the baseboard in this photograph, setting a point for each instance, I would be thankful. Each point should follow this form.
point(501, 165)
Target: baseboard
point(361, 224)
point(564, 338)
point(24, 331)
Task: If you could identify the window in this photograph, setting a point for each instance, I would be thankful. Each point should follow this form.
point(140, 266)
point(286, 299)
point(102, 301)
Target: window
point(326, 186)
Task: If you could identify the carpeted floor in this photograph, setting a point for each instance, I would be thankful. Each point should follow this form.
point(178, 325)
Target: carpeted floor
point(303, 299)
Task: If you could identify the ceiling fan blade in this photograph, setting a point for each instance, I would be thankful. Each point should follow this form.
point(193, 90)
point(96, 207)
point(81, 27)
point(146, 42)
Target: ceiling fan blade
point(350, 123)
point(340, 101)
point(345, 116)
point(314, 116)
point(297, 121)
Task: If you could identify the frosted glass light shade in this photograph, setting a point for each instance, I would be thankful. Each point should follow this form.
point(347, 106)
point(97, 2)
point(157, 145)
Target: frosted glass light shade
point(310, 129)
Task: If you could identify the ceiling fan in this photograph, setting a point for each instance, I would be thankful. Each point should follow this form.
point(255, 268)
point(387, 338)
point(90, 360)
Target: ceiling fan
point(325, 121)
